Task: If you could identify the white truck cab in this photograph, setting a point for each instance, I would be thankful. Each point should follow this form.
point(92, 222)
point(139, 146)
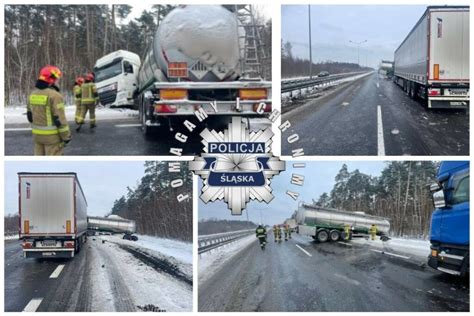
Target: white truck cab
point(116, 78)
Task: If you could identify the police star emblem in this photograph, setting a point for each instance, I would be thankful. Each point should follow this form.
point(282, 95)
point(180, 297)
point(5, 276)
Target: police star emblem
point(237, 166)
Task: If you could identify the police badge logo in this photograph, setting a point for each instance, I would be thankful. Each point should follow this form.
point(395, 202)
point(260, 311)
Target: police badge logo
point(237, 166)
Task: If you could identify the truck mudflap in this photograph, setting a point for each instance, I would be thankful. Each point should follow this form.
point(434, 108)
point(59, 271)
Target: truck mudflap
point(448, 263)
point(448, 103)
point(48, 253)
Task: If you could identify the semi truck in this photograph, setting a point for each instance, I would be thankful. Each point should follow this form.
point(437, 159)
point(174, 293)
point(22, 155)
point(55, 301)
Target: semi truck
point(196, 63)
point(113, 224)
point(432, 62)
point(116, 78)
point(328, 224)
point(449, 234)
point(52, 214)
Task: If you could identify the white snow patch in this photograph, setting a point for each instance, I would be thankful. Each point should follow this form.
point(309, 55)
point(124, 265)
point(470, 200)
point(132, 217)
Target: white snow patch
point(412, 247)
point(17, 114)
point(210, 262)
point(12, 237)
point(181, 251)
point(146, 285)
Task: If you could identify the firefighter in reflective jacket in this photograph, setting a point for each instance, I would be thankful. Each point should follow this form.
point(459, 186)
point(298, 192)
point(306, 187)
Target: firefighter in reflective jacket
point(279, 233)
point(89, 99)
point(261, 233)
point(287, 231)
point(45, 112)
point(373, 231)
point(275, 232)
point(77, 97)
point(347, 232)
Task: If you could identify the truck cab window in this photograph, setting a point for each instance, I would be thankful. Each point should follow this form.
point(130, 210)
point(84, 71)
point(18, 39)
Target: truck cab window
point(127, 67)
point(461, 192)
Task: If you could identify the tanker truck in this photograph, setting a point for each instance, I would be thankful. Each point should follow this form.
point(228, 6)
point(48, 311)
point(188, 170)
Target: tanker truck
point(324, 224)
point(194, 67)
point(113, 224)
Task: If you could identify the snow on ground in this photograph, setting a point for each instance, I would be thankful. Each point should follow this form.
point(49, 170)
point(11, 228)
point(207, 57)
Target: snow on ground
point(209, 262)
point(145, 284)
point(320, 88)
point(17, 114)
point(408, 247)
point(178, 252)
point(12, 237)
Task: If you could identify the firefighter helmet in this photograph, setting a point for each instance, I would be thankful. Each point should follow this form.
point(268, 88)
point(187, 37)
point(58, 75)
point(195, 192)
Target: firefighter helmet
point(50, 74)
point(79, 80)
point(90, 76)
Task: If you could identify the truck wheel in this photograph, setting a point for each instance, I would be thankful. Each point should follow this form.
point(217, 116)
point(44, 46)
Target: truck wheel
point(322, 235)
point(334, 235)
point(413, 90)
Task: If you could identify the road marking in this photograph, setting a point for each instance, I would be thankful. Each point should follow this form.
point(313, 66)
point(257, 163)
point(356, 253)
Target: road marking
point(355, 282)
point(380, 141)
point(304, 251)
point(389, 253)
point(378, 85)
point(128, 125)
point(344, 243)
point(33, 305)
point(345, 103)
point(56, 272)
point(18, 129)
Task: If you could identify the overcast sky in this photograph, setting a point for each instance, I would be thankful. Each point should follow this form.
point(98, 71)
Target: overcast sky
point(333, 26)
point(102, 181)
point(319, 179)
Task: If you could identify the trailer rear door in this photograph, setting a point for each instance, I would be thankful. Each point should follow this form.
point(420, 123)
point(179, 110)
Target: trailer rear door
point(47, 205)
point(449, 45)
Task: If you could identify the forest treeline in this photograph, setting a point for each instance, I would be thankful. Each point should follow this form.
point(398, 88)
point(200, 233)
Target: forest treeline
point(215, 226)
point(73, 37)
point(400, 193)
point(292, 66)
point(153, 203)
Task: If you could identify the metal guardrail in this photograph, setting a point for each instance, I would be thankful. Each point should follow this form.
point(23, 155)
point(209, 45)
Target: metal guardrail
point(289, 85)
point(209, 242)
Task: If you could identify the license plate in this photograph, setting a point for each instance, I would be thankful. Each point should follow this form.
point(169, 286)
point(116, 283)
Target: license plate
point(458, 91)
point(49, 243)
point(48, 254)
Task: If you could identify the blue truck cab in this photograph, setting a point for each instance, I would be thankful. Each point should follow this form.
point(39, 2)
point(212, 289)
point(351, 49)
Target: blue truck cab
point(450, 219)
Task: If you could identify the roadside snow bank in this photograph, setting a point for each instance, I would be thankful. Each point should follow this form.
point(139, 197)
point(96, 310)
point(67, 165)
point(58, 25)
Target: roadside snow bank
point(210, 262)
point(17, 114)
point(411, 247)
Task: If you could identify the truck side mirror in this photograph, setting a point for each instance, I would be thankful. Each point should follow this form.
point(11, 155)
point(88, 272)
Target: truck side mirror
point(439, 199)
point(435, 187)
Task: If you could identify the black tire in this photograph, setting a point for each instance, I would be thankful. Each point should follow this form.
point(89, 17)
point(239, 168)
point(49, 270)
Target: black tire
point(147, 131)
point(134, 238)
point(413, 91)
point(334, 235)
point(322, 235)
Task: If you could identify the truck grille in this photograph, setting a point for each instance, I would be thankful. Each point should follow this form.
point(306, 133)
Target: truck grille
point(108, 97)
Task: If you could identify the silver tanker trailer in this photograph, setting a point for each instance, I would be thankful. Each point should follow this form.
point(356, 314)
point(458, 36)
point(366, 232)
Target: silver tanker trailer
point(325, 224)
point(113, 224)
point(195, 66)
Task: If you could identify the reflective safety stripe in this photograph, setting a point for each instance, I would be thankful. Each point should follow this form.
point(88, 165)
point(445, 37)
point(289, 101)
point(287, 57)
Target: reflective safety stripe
point(45, 132)
point(88, 99)
point(38, 99)
point(44, 128)
point(64, 128)
point(49, 119)
point(60, 106)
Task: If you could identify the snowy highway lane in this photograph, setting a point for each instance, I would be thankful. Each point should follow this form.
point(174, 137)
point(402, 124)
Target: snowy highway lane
point(301, 275)
point(107, 275)
point(118, 134)
point(373, 116)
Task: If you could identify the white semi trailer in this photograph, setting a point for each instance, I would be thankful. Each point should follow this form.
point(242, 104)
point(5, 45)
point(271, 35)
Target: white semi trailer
point(53, 214)
point(433, 61)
